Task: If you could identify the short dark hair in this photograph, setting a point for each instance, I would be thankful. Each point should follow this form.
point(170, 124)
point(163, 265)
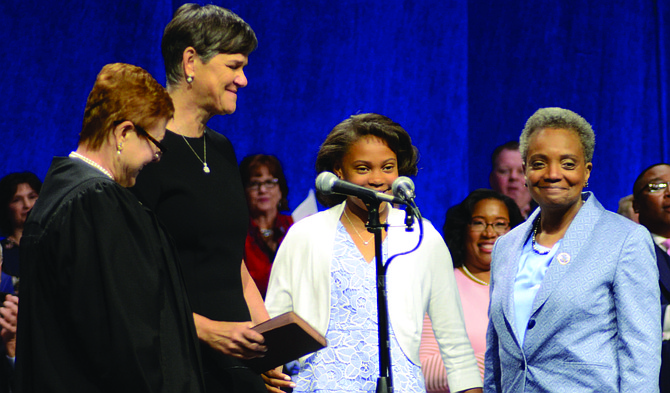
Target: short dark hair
point(8, 187)
point(511, 145)
point(251, 165)
point(458, 217)
point(210, 30)
point(636, 185)
point(123, 92)
point(339, 141)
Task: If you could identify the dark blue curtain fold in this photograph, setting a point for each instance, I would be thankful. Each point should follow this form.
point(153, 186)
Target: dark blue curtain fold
point(600, 59)
point(461, 77)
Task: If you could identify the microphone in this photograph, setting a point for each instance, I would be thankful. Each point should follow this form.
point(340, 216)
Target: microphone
point(328, 183)
point(403, 188)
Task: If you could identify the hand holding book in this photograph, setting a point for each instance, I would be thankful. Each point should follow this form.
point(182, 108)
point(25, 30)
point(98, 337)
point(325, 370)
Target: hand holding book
point(287, 337)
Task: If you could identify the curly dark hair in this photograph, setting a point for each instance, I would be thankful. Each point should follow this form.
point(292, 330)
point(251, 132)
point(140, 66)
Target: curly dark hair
point(251, 164)
point(459, 216)
point(8, 186)
point(339, 141)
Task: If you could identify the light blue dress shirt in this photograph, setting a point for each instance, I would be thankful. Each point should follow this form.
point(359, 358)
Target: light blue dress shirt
point(532, 267)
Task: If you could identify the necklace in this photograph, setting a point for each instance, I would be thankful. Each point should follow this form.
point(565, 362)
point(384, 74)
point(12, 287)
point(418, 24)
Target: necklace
point(475, 279)
point(358, 233)
point(92, 163)
point(535, 247)
point(266, 232)
point(205, 168)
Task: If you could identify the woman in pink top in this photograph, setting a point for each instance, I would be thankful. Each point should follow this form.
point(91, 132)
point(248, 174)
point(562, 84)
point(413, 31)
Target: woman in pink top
point(470, 230)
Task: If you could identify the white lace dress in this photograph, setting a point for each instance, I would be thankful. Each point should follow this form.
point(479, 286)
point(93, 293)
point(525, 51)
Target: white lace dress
point(350, 363)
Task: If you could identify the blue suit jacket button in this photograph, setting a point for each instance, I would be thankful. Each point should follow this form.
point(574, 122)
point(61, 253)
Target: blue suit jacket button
point(531, 324)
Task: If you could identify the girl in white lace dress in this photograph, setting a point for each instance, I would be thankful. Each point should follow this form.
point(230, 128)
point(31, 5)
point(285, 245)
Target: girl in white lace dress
point(325, 272)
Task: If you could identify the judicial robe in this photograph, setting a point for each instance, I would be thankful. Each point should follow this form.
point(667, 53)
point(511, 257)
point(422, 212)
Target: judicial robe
point(102, 302)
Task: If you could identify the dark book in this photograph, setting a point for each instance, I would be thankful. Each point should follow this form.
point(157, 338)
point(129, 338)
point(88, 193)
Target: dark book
point(288, 337)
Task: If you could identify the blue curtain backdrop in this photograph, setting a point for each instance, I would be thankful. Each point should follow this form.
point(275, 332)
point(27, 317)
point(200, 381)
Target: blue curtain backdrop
point(461, 77)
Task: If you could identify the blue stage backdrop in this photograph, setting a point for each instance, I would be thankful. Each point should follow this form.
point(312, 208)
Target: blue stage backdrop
point(461, 77)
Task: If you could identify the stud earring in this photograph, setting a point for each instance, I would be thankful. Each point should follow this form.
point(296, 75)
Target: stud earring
point(586, 184)
point(189, 79)
point(119, 147)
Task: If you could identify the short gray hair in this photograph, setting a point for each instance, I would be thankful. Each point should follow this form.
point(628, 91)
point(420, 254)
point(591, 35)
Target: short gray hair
point(210, 30)
point(559, 118)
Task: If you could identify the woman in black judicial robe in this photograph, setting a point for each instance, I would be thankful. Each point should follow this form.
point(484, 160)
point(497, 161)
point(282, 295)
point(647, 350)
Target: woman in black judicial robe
point(103, 308)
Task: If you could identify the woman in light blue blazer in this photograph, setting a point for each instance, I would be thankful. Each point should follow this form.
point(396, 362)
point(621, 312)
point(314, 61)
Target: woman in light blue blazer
point(574, 291)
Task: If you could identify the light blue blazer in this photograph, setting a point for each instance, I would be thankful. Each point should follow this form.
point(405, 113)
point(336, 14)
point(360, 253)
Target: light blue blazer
point(594, 323)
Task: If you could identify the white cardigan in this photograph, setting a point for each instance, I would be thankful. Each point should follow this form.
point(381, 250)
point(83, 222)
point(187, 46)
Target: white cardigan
point(420, 282)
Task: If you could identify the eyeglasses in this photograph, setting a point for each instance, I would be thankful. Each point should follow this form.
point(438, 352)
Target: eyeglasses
point(500, 227)
point(269, 184)
point(654, 188)
point(141, 131)
point(161, 149)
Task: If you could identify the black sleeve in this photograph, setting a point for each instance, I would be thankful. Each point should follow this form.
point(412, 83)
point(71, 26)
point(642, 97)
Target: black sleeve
point(95, 290)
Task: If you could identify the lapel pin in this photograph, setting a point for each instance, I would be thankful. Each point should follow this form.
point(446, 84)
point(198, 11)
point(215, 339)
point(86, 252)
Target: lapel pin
point(563, 258)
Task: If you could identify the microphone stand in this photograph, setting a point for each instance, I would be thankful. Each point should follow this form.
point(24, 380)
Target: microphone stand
point(374, 225)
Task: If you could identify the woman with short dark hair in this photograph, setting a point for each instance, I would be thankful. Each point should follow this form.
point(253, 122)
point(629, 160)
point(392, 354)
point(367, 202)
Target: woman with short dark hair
point(197, 192)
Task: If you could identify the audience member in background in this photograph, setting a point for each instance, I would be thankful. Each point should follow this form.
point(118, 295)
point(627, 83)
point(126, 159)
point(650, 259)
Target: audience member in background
point(574, 292)
point(18, 193)
point(626, 208)
point(197, 192)
point(325, 271)
point(470, 230)
point(103, 306)
point(266, 191)
point(8, 314)
point(652, 202)
point(507, 176)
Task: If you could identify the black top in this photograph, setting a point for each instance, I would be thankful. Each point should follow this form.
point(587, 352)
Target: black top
point(6, 370)
point(10, 257)
point(206, 214)
point(103, 307)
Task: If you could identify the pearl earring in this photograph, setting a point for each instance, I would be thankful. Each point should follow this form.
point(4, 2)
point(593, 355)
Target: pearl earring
point(189, 79)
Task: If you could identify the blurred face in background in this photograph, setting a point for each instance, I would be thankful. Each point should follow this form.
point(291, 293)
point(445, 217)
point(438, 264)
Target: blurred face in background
point(653, 204)
point(23, 200)
point(626, 208)
point(263, 192)
point(507, 177)
point(490, 219)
